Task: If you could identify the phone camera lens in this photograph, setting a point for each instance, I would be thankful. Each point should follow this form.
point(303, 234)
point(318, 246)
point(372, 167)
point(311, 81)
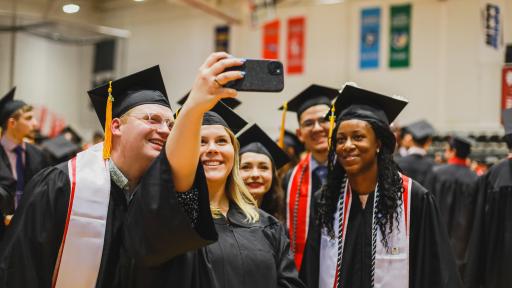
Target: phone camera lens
point(275, 68)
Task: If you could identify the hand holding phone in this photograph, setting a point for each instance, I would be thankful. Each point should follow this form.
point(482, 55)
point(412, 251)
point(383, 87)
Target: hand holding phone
point(260, 76)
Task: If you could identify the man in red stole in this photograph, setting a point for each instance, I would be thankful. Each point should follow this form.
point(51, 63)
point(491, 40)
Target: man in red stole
point(310, 173)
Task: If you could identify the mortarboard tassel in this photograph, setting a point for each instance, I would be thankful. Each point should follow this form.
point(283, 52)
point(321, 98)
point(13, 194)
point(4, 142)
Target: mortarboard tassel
point(331, 125)
point(107, 144)
point(281, 132)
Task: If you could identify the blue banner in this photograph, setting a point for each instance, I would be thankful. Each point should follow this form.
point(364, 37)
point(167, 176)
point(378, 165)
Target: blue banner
point(370, 38)
point(492, 25)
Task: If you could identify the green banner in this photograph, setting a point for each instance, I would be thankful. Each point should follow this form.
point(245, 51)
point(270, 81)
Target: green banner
point(400, 37)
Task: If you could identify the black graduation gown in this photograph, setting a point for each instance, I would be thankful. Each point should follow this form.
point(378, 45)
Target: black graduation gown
point(35, 161)
point(490, 248)
point(30, 249)
point(431, 262)
point(453, 186)
point(416, 166)
point(245, 255)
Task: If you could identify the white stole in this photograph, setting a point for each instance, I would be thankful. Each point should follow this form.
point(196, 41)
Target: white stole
point(391, 267)
point(79, 258)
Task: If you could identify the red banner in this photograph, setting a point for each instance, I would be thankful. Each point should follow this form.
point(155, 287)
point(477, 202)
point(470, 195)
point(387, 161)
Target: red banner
point(295, 47)
point(506, 87)
point(271, 40)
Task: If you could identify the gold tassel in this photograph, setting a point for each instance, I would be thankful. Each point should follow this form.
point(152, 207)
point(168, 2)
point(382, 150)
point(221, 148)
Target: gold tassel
point(107, 144)
point(281, 132)
point(332, 118)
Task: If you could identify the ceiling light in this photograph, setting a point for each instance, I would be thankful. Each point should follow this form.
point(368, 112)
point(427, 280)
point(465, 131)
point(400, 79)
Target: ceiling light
point(70, 8)
point(138, 0)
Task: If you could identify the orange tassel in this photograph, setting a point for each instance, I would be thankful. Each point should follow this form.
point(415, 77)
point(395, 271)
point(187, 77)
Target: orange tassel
point(107, 144)
point(332, 118)
point(281, 132)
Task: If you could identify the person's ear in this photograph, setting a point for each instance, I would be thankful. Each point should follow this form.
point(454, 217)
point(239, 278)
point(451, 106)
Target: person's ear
point(11, 122)
point(116, 126)
point(298, 132)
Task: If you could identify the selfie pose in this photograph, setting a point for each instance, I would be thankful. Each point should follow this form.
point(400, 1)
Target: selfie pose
point(252, 248)
point(69, 229)
point(260, 158)
point(375, 227)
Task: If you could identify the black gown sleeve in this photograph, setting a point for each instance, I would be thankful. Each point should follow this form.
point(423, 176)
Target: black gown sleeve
point(157, 227)
point(287, 275)
point(432, 262)
point(29, 250)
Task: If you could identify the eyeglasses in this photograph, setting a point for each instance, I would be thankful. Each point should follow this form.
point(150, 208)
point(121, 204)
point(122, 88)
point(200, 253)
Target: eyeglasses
point(154, 120)
point(310, 123)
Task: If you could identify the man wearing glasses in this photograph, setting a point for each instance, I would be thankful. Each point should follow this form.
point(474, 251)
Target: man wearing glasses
point(70, 229)
point(311, 106)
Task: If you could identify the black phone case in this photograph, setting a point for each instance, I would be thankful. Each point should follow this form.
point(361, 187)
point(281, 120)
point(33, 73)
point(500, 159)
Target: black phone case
point(260, 76)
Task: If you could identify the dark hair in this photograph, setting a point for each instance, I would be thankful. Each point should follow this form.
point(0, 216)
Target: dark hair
point(460, 152)
point(388, 206)
point(421, 141)
point(273, 200)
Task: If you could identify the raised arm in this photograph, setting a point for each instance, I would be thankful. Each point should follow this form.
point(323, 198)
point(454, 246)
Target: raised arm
point(182, 146)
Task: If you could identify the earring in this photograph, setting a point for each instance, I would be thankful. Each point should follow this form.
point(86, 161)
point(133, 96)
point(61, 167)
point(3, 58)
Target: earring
point(378, 150)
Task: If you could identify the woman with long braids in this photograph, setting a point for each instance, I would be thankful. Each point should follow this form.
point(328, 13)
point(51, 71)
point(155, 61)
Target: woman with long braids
point(375, 227)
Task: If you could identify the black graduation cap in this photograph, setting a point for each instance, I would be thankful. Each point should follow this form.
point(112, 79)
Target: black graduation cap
point(507, 120)
point(461, 144)
point(420, 130)
point(75, 137)
point(222, 115)
point(144, 87)
point(254, 139)
point(368, 103)
point(311, 96)
point(8, 105)
point(60, 148)
point(230, 102)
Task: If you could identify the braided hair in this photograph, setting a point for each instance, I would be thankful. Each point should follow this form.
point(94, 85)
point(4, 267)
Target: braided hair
point(389, 203)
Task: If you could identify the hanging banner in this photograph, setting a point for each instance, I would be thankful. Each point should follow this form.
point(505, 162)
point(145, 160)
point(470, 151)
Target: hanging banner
point(271, 40)
point(506, 87)
point(492, 25)
point(400, 36)
point(222, 39)
point(370, 38)
point(295, 47)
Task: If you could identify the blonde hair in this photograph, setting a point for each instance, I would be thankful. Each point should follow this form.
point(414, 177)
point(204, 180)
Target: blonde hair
point(236, 189)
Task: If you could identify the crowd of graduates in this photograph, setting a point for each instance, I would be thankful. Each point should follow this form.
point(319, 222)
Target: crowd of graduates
point(199, 197)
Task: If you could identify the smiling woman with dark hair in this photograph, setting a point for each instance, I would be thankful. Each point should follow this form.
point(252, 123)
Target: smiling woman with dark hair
point(260, 159)
point(375, 226)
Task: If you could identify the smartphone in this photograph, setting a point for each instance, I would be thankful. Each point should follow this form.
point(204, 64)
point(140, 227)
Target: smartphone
point(260, 76)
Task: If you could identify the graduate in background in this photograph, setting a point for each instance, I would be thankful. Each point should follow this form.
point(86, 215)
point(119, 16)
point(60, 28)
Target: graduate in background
point(311, 172)
point(252, 249)
point(490, 248)
point(416, 164)
point(260, 159)
point(69, 230)
point(453, 186)
point(376, 227)
point(19, 160)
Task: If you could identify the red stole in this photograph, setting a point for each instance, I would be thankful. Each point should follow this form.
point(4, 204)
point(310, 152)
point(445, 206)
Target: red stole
point(297, 207)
